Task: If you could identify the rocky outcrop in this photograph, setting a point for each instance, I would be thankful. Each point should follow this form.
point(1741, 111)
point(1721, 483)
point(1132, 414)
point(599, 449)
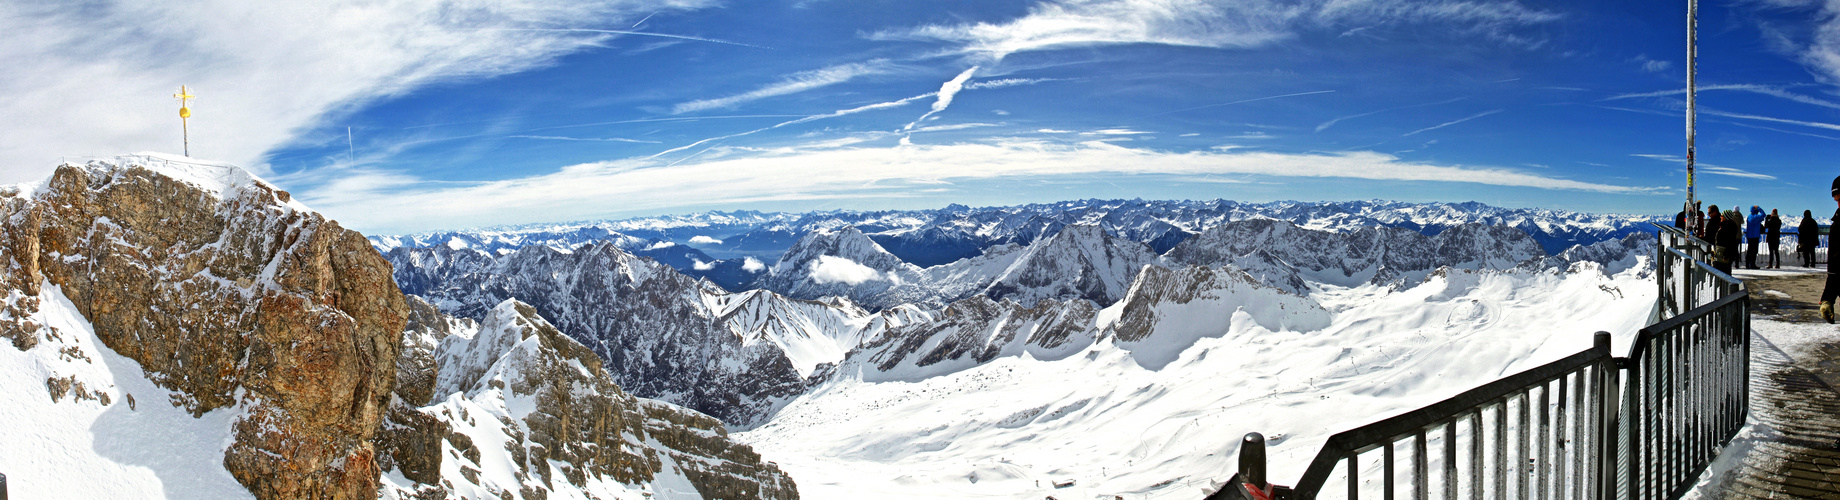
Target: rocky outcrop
point(410, 441)
point(663, 334)
point(974, 331)
point(229, 294)
point(564, 425)
point(1285, 255)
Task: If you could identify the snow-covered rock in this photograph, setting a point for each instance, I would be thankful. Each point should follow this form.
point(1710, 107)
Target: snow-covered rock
point(531, 411)
point(664, 335)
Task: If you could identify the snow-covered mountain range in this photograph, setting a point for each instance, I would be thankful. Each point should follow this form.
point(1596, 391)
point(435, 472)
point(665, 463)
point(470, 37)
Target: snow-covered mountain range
point(837, 299)
point(928, 238)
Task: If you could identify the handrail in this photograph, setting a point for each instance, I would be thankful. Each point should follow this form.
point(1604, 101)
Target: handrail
point(1642, 336)
point(1641, 426)
point(1374, 435)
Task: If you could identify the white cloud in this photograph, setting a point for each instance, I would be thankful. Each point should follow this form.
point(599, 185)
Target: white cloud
point(1201, 23)
point(95, 77)
point(1733, 172)
point(388, 202)
point(1653, 66)
point(592, 139)
point(752, 265)
point(1114, 131)
point(1752, 88)
point(704, 240)
point(795, 83)
point(947, 91)
point(702, 266)
point(1008, 82)
point(831, 269)
point(1707, 168)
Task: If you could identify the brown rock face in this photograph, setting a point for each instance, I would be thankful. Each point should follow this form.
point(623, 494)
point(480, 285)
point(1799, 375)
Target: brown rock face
point(216, 292)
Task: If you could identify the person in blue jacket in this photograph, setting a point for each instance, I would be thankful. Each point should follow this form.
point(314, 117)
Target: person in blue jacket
point(1753, 232)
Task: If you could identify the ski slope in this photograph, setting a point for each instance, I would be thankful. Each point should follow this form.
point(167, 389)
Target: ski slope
point(1108, 425)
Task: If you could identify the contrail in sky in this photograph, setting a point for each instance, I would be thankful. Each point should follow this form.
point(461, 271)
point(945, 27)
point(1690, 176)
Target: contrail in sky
point(1452, 122)
point(1332, 122)
point(1244, 101)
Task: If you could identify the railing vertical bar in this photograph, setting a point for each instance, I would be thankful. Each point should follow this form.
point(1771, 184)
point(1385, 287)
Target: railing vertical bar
point(1671, 454)
point(1354, 476)
point(1386, 474)
point(1521, 465)
point(1541, 444)
point(1561, 438)
point(1450, 460)
point(1582, 435)
point(1499, 476)
point(1475, 454)
point(1656, 416)
point(1421, 467)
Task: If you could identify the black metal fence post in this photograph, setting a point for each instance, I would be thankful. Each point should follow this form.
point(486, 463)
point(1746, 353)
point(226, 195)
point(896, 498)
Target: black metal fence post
point(1251, 459)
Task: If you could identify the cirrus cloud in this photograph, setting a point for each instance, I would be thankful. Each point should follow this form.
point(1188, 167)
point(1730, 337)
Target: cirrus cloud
point(727, 177)
point(94, 77)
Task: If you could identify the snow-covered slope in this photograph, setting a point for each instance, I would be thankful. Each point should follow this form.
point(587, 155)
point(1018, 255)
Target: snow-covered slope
point(77, 412)
point(844, 263)
point(1152, 397)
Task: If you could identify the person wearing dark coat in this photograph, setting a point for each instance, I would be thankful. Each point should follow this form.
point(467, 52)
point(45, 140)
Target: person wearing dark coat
point(1680, 219)
point(1753, 232)
point(1707, 224)
point(1807, 237)
point(1772, 236)
point(1833, 273)
point(1730, 233)
point(1714, 220)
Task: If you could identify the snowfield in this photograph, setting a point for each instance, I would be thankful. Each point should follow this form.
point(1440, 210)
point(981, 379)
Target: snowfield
point(1103, 422)
point(85, 446)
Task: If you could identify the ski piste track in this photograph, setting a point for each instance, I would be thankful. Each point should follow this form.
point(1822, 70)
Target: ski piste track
point(1787, 445)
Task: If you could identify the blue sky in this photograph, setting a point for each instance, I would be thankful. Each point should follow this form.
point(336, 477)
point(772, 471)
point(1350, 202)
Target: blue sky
point(465, 113)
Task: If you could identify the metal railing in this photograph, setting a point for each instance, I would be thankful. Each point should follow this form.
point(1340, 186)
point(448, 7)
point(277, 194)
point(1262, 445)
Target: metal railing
point(1591, 425)
point(1686, 379)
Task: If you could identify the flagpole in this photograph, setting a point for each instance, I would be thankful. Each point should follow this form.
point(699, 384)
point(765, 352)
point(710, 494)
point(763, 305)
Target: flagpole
point(1692, 67)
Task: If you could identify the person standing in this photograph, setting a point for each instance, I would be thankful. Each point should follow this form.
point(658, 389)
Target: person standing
point(1807, 237)
point(1708, 223)
point(1772, 236)
point(1753, 231)
point(1731, 232)
point(1833, 273)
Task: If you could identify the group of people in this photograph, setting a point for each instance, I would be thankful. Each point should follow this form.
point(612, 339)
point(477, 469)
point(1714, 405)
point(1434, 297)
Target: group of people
point(1726, 230)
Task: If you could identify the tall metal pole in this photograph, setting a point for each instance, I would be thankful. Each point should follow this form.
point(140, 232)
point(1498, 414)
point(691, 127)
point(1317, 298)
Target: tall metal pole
point(1692, 66)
